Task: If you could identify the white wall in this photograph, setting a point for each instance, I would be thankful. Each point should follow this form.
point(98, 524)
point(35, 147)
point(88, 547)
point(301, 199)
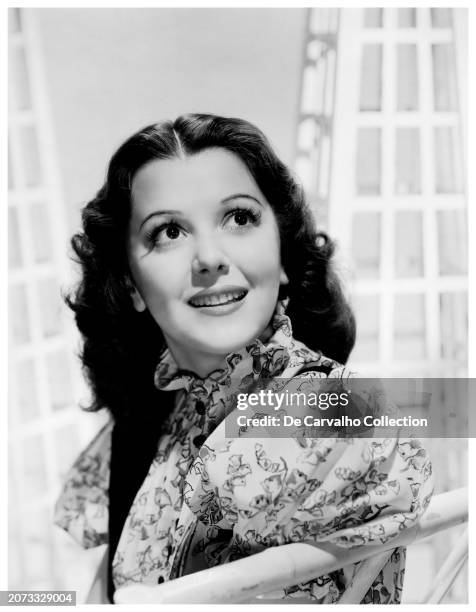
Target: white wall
point(112, 71)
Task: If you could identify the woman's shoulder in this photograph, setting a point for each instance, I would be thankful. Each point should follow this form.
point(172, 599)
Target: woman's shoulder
point(81, 509)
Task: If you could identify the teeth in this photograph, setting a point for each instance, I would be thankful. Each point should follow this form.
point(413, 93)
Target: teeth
point(216, 300)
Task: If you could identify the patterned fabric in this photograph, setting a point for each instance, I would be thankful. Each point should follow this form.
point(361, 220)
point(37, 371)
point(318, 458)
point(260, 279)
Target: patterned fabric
point(207, 500)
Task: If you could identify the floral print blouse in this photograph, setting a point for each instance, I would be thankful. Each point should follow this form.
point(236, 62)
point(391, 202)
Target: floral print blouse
point(207, 500)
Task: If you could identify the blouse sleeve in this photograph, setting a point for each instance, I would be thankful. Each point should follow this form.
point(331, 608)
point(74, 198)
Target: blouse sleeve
point(82, 507)
point(274, 491)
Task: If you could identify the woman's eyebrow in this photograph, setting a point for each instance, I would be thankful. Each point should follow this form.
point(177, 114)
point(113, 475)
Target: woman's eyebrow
point(241, 195)
point(158, 212)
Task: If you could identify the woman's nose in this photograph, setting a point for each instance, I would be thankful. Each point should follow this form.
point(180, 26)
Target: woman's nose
point(209, 258)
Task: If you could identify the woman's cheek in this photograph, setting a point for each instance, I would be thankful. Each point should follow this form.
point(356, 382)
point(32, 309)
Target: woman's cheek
point(164, 279)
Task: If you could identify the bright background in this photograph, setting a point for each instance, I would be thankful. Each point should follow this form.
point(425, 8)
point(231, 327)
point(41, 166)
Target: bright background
point(369, 107)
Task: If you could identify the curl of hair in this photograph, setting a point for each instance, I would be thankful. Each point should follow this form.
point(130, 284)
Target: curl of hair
point(121, 347)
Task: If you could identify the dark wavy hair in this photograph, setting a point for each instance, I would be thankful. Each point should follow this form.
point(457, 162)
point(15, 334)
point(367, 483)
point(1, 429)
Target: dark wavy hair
point(121, 346)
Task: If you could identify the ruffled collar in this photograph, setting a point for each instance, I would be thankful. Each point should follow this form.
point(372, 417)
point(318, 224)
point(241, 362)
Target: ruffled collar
point(259, 359)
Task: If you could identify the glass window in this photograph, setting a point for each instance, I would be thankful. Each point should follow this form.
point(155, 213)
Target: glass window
point(407, 161)
point(20, 95)
point(406, 18)
point(324, 166)
point(307, 134)
point(324, 20)
point(18, 315)
point(445, 94)
point(368, 163)
point(15, 259)
point(448, 163)
point(67, 448)
point(409, 317)
point(30, 156)
point(26, 390)
point(407, 78)
point(366, 244)
point(49, 302)
point(59, 380)
point(366, 308)
point(373, 17)
point(454, 326)
point(441, 18)
point(371, 78)
point(40, 231)
point(34, 476)
point(452, 242)
point(313, 89)
point(408, 244)
point(37, 535)
point(306, 172)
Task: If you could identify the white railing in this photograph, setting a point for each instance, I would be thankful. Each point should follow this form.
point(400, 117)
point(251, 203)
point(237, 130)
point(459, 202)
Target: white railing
point(290, 564)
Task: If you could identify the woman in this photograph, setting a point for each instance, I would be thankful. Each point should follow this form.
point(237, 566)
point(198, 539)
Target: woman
point(203, 274)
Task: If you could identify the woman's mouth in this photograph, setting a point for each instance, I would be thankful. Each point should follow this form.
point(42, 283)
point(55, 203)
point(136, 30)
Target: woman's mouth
point(218, 298)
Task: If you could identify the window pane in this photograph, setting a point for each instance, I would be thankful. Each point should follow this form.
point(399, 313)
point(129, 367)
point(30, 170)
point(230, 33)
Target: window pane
point(324, 20)
point(40, 232)
point(407, 161)
point(407, 78)
point(454, 326)
point(306, 172)
point(307, 134)
point(406, 17)
point(409, 341)
point(373, 17)
point(20, 95)
point(14, 249)
point(366, 309)
point(445, 93)
point(59, 380)
point(366, 244)
point(408, 244)
point(49, 301)
point(448, 164)
point(37, 536)
point(441, 17)
point(34, 466)
point(313, 88)
point(30, 156)
point(371, 78)
point(368, 161)
point(27, 390)
point(18, 315)
point(452, 242)
point(67, 448)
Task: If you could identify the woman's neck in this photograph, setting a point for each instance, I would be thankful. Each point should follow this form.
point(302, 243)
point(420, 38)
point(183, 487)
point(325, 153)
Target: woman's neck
point(201, 364)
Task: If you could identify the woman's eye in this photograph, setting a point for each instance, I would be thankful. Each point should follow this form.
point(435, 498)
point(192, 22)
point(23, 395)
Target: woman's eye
point(172, 232)
point(242, 218)
point(165, 234)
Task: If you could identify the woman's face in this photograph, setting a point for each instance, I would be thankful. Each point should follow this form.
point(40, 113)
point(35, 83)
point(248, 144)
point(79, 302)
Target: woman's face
point(204, 254)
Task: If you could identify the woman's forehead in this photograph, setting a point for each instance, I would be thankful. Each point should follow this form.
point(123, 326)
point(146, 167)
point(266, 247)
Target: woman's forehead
point(213, 174)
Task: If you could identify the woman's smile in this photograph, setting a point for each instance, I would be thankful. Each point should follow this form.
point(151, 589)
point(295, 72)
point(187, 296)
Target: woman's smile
point(204, 255)
point(220, 300)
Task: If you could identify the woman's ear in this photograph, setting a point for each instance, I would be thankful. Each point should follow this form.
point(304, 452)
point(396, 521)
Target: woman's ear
point(137, 299)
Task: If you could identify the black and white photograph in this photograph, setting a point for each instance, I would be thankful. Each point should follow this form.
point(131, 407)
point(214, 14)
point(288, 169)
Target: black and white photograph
point(237, 278)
